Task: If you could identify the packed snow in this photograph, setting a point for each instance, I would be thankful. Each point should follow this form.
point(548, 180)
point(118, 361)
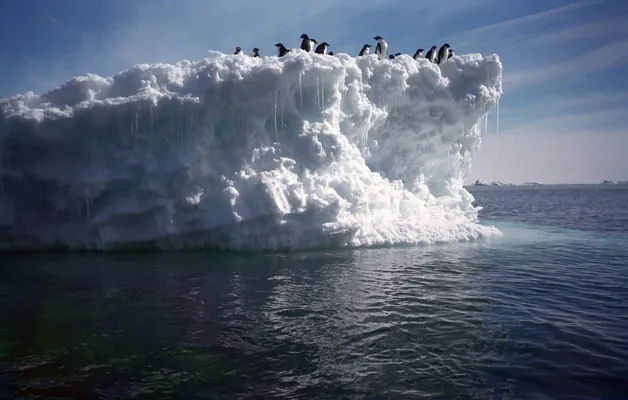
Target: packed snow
point(237, 152)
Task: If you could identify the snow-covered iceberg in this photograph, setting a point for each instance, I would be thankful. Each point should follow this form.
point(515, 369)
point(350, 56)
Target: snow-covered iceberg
point(248, 153)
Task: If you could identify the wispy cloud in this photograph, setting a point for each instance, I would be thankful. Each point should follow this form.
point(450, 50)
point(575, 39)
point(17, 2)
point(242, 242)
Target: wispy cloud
point(553, 104)
point(610, 120)
point(433, 11)
point(581, 30)
point(610, 55)
point(558, 114)
point(166, 31)
point(565, 43)
point(221, 25)
point(514, 24)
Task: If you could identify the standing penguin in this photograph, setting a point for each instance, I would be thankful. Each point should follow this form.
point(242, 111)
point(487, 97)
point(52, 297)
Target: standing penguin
point(255, 52)
point(281, 49)
point(322, 48)
point(431, 54)
point(443, 52)
point(451, 53)
point(238, 51)
point(312, 43)
point(418, 54)
point(306, 43)
point(382, 47)
point(365, 50)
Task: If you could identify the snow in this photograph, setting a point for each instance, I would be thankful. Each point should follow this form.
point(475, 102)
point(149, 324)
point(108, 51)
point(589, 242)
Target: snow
point(243, 153)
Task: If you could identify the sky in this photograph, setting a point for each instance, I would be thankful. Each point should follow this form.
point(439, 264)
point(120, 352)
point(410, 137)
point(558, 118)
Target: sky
point(562, 118)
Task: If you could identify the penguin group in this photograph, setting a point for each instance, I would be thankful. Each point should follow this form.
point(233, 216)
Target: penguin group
point(444, 53)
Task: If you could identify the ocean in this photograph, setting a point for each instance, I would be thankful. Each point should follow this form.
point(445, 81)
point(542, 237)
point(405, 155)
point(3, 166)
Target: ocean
point(538, 313)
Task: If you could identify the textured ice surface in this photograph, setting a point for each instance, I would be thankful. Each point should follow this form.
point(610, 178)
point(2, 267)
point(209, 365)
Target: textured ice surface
point(248, 153)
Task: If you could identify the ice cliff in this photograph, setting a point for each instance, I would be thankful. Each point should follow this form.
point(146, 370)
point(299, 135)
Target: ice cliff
point(248, 153)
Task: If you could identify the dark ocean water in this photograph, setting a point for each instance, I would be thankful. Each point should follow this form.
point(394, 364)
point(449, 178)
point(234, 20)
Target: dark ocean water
point(540, 313)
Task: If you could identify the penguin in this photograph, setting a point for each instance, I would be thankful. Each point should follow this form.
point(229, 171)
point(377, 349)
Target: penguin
point(418, 54)
point(451, 53)
point(443, 52)
point(312, 43)
point(431, 54)
point(322, 48)
point(255, 52)
point(281, 49)
point(382, 47)
point(331, 53)
point(306, 43)
point(238, 51)
point(393, 56)
point(365, 50)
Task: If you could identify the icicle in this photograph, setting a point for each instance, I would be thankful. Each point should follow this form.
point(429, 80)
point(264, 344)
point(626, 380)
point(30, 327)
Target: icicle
point(87, 210)
point(322, 95)
point(318, 103)
point(301, 88)
point(283, 121)
point(276, 127)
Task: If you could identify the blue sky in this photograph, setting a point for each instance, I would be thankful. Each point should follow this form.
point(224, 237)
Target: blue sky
point(563, 116)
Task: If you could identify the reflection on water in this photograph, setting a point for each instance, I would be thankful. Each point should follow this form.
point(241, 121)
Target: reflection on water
point(476, 320)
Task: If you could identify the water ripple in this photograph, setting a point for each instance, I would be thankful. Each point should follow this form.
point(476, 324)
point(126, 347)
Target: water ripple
point(459, 321)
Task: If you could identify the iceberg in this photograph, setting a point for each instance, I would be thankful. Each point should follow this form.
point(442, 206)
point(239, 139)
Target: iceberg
point(479, 182)
point(242, 153)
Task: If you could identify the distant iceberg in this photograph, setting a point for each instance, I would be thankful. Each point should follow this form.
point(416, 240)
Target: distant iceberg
point(479, 182)
point(240, 153)
point(605, 182)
